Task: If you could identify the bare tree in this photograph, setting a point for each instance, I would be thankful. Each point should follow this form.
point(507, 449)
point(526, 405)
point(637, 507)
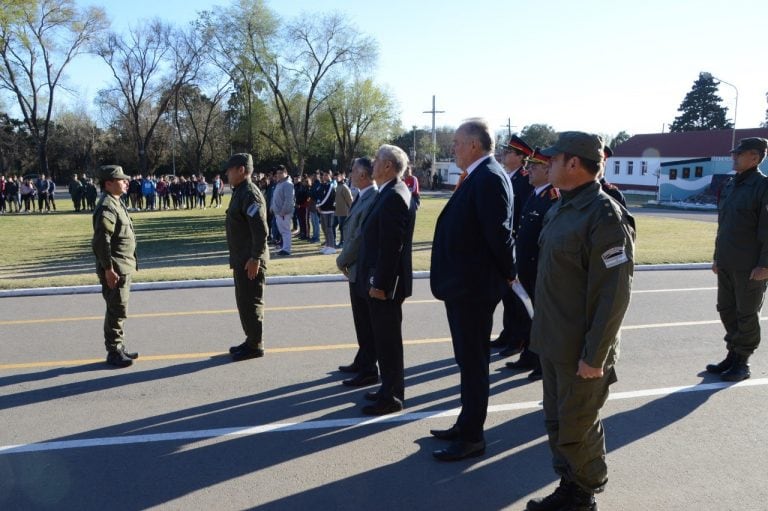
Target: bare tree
point(300, 64)
point(149, 65)
point(38, 40)
point(195, 117)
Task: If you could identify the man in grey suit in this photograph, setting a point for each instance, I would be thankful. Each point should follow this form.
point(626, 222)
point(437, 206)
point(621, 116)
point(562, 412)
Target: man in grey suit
point(365, 360)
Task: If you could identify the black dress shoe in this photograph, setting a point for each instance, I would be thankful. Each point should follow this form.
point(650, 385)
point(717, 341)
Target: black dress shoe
point(535, 375)
point(383, 407)
point(451, 433)
point(351, 368)
point(362, 380)
point(459, 450)
point(499, 342)
point(130, 354)
point(526, 361)
point(371, 396)
point(118, 359)
point(237, 348)
point(513, 348)
point(247, 353)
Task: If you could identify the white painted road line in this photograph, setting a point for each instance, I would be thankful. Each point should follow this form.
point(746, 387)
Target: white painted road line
point(340, 423)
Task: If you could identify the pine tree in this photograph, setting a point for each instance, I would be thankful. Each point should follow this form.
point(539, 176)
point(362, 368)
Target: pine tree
point(701, 109)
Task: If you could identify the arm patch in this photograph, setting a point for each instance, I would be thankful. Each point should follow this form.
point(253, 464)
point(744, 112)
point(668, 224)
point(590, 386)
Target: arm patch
point(614, 256)
point(253, 209)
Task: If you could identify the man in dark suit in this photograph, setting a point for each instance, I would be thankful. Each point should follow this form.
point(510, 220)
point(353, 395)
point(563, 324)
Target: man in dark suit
point(472, 266)
point(365, 360)
point(384, 274)
point(512, 337)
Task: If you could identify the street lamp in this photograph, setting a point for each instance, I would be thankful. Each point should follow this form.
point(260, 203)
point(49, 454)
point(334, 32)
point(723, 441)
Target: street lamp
point(735, 104)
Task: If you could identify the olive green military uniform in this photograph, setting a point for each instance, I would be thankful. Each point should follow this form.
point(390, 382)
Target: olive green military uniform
point(740, 246)
point(114, 245)
point(582, 292)
point(247, 238)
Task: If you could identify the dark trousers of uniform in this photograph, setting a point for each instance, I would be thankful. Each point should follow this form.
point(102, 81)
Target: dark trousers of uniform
point(471, 323)
point(249, 296)
point(366, 353)
point(572, 417)
point(117, 310)
point(386, 317)
point(739, 301)
point(516, 323)
point(528, 280)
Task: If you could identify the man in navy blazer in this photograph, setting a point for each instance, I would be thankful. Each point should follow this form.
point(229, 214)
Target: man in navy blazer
point(472, 266)
point(385, 275)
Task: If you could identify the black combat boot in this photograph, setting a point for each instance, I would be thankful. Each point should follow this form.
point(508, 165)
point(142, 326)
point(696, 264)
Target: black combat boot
point(118, 359)
point(738, 371)
point(561, 497)
point(581, 500)
point(723, 365)
point(133, 355)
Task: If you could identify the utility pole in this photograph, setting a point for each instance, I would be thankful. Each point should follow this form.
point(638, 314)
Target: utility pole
point(413, 152)
point(434, 133)
point(509, 126)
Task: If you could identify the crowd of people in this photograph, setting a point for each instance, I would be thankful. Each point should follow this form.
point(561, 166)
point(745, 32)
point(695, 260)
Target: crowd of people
point(313, 206)
point(168, 192)
point(28, 194)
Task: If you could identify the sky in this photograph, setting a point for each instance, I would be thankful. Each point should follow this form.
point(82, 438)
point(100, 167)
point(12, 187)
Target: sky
point(598, 66)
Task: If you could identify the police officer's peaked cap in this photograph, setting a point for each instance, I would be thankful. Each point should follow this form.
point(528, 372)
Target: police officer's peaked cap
point(241, 160)
point(518, 144)
point(751, 144)
point(578, 143)
point(538, 157)
point(108, 172)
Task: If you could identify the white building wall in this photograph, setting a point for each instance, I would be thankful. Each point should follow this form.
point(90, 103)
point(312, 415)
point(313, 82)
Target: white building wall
point(624, 178)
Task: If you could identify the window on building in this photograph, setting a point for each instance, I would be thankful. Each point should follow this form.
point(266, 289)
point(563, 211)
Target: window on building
point(672, 174)
point(686, 172)
point(616, 166)
point(629, 167)
point(699, 171)
point(643, 168)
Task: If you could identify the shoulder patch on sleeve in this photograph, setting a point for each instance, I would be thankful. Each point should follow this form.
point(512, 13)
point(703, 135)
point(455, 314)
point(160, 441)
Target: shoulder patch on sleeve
point(614, 256)
point(253, 209)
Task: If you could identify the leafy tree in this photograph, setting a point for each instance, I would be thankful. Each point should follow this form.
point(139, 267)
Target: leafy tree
point(360, 112)
point(17, 149)
point(701, 109)
point(73, 139)
point(539, 135)
point(619, 139)
point(38, 40)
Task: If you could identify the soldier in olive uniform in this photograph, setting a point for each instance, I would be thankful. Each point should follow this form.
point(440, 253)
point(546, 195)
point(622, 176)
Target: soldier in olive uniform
point(114, 245)
point(248, 253)
point(582, 293)
point(741, 258)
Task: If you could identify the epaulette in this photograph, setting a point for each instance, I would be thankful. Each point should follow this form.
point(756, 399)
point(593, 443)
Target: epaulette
point(610, 186)
point(554, 193)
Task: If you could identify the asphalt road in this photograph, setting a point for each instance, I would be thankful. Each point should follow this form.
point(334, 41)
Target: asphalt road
point(184, 428)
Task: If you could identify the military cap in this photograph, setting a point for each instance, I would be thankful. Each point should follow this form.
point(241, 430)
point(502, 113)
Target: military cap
point(537, 157)
point(751, 144)
point(578, 143)
point(607, 152)
point(109, 172)
point(240, 160)
point(518, 144)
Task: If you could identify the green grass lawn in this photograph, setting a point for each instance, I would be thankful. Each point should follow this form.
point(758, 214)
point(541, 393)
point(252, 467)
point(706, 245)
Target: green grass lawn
point(54, 249)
